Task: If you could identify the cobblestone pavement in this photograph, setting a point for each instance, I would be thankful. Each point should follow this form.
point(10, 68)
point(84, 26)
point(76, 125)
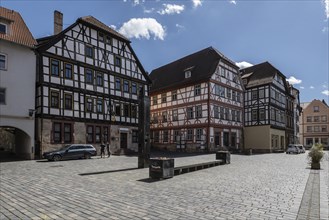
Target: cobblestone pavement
point(269, 186)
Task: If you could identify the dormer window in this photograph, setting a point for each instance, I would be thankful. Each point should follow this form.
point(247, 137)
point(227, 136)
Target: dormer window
point(188, 74)
point(3, 28)
point(244, 81)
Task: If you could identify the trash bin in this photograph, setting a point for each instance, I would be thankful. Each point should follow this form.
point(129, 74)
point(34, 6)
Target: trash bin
point(224, 155)
point(161, 168)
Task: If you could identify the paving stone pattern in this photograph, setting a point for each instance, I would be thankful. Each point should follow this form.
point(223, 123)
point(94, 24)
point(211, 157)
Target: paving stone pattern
point(269, 186)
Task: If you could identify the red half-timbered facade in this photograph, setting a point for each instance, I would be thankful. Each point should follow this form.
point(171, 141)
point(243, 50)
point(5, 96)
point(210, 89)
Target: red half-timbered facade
point(197, 103)
point(88, 83)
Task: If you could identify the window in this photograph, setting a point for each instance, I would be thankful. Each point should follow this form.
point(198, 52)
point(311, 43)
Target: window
point(164, 116)
point(165, 136)
point(135, 136)
point(316, 108)
point(254, 115)
point(68, 101)
point(238, 99)
point(54, 67)
point(197, 90)
point(54, 99)
point(99, 79)
point(324, 118)
point(176, 135)
point(216, 111)
point(134, 111)
point(199, 134)
point(117, 109)
point(174, 95)
point(309, 119)
point(68, 70)
point(324, 141)
point(90, 134)
point(175, 115)
point(2, 96)
point(67, 133)
point(108, 40)
point(222, 91)
point(233, 115)
point(309, 128)
point(133, 88)
point(238, 116)
point(253, 95)
point(189, 135)
point(89, 76)
point(99, 106)
point(189, 111)
point(261, 114)
point(125, 86)
point(101, 37)
point(222, 113)
point(155, 100)
point(3, 62)
point(89, 52)
point(316, 128)
point(228, 93)
point(118, 84)
point(198, 111)
point(155, 117)
point(227, 114)
point(97, 134)
point(261, 93)
point(89, 107)
point(233, 95)
point(156, 136)
point(163, 97)
point(57, 134)
point(222, 72)
point(3, 28)
point(309, 141)
point(117, 61)
point(316, 118)
point(188, 74)
point(126, 112)
point(105, 134)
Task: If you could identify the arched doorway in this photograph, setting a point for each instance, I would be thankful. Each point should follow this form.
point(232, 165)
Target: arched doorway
point(15, 144)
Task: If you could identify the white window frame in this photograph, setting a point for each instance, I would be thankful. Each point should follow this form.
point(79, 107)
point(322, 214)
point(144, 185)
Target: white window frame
point(6, 61)
point(6, 26)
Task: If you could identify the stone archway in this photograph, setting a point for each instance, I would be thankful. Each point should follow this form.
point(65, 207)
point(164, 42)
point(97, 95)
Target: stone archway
point(15, 144)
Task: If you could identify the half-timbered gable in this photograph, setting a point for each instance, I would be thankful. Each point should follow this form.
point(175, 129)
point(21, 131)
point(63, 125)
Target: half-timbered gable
point(265, 107)
point(187, 96)
point(89, 73)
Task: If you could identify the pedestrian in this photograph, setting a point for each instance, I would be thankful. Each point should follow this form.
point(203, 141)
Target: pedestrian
point(102, 150)
point(108, 149)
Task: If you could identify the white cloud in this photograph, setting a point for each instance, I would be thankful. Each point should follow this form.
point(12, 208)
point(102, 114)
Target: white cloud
point(143, 28)
point(326, 5)
point(197, 3)
point(325, 29)
point(311, 87)
point(233, 2)
point(325, 85)
point(148, 11)
point(113, 27)
point(325, 92)
point(243, 64)
point(292, 80)
point(302, 87)
point(136, 2)
point(171, 9)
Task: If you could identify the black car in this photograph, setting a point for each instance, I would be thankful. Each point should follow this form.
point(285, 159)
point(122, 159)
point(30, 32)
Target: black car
point(73, 151)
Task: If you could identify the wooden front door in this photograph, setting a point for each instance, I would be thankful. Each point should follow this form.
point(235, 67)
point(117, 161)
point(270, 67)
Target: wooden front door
point(123, 140)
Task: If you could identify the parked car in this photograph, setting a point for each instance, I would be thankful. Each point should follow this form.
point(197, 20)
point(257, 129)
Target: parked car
point(293, 149)
point(301, 148)
point(73, 151)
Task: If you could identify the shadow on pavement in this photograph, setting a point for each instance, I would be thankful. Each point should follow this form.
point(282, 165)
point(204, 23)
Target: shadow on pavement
point(107, 171)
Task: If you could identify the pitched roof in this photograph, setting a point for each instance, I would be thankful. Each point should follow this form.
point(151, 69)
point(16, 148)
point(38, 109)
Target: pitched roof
point(18, 32)
point(259, 74)
point(93, 21)
point(202, 65)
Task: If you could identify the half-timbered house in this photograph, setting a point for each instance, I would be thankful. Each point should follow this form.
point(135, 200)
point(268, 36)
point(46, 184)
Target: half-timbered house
point(88, 83)
point(267, 116)
point(196, 103)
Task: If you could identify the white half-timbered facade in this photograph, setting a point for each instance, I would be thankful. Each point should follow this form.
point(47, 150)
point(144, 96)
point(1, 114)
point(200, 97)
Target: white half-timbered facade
point(88, 83)
point(268, 108)
point(197, 103)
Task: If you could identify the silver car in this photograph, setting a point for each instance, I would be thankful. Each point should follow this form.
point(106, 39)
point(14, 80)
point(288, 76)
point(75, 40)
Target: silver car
point(293, 149)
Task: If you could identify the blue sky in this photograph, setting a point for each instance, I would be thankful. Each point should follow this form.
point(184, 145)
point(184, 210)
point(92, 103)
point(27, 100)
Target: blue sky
point(291, 35)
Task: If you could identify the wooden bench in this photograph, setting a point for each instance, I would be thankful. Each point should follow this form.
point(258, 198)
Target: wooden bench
point(195, 167)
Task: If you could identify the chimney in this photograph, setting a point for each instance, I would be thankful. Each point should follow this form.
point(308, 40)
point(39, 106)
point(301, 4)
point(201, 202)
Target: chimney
point(58, 22)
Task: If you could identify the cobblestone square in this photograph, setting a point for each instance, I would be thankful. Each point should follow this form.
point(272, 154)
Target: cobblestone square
point(268, 186)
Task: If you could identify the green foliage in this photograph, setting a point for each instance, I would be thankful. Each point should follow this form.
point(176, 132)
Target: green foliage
point(316, 153)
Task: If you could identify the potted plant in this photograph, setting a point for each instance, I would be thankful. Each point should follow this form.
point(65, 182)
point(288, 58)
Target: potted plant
point(315, 155)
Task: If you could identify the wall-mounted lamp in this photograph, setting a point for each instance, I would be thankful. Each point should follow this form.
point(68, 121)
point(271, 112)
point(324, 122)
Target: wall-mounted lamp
point(31, 112)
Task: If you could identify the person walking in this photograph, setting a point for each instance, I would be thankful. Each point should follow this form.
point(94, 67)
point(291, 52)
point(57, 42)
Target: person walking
point(108, 149)
point(102, 150)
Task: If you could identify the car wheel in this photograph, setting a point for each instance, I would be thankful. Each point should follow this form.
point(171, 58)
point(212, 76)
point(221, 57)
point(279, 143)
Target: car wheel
point(87, 156)
point(57, 157)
